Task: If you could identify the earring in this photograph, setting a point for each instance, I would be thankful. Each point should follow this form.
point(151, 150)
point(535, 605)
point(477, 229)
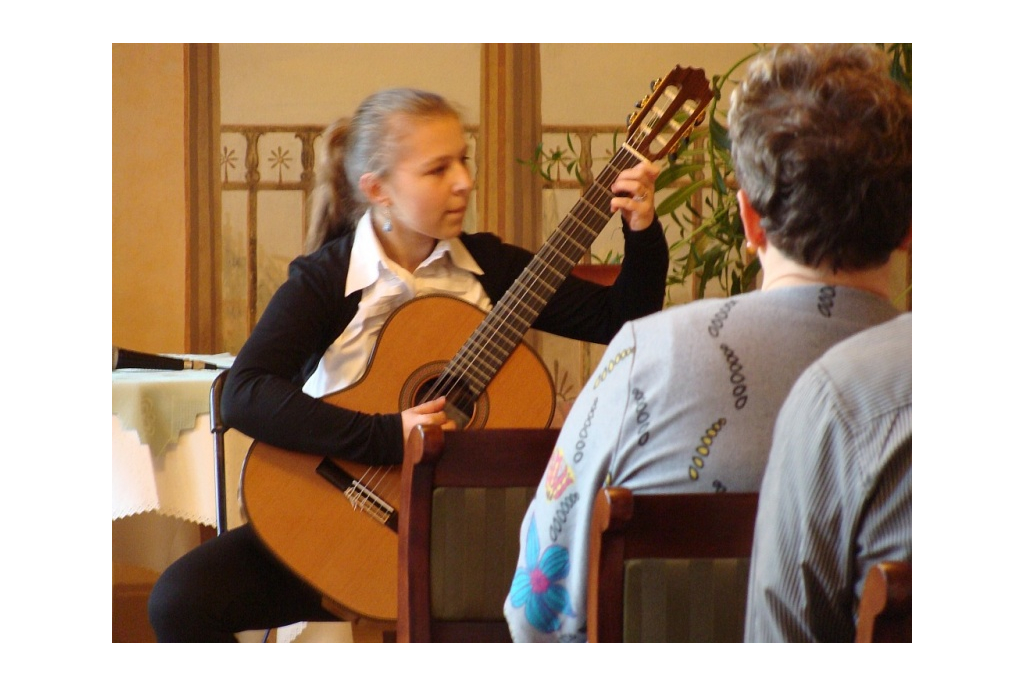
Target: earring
point(751, 248)
point(387, 221)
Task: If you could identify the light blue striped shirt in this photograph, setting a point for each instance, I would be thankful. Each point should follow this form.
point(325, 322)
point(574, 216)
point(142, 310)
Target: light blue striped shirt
point(836, 495)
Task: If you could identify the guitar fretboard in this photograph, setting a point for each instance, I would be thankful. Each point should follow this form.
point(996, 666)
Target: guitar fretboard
point(501, 331)
point(654, 132)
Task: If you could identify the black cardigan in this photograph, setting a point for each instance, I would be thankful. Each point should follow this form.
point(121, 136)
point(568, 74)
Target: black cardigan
point(263, 395)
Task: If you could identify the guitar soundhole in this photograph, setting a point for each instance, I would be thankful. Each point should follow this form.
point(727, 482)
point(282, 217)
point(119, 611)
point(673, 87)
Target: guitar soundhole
point(420, 387)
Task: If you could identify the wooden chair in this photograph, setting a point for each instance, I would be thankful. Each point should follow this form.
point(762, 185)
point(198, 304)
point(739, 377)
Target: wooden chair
point(464, 495)
point(603, 274)
point(885, 609)
point(218, 428)
point(669, 568)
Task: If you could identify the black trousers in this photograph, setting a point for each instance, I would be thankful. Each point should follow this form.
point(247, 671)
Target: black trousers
point(228, 584)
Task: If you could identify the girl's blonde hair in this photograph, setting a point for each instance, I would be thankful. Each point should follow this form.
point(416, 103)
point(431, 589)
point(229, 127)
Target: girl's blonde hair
point(349, 148)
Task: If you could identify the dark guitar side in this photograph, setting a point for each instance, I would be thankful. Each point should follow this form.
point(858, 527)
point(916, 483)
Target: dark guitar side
point(351, 558)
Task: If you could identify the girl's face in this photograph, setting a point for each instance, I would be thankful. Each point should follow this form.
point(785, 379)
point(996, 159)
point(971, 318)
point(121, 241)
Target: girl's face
point(429, 183)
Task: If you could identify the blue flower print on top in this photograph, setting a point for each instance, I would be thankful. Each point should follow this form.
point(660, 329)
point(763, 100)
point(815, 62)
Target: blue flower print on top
point(536, 584)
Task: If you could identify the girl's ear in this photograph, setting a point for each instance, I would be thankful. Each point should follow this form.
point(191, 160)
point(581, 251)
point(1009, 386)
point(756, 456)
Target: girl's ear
point(372, 188)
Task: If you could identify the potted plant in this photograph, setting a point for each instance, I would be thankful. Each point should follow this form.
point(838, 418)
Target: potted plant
point(700, 215)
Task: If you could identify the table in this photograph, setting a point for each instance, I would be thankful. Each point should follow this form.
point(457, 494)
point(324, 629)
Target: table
point(162, 447)
point(164, 484)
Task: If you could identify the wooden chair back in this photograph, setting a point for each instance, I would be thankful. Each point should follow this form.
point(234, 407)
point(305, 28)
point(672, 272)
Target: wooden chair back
point(218, 428)
point(464, 495)
point(602, 274)
point(668, 568)
point(885, 611)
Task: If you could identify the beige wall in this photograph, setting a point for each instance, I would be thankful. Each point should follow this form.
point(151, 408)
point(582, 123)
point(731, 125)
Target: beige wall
point(582, 83)
point(598, 84)
point(148, 203)
point(315, 83)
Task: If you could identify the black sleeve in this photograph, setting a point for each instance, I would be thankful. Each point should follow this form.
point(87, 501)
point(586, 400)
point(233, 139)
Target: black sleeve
point(263, 395)
point(593, 313)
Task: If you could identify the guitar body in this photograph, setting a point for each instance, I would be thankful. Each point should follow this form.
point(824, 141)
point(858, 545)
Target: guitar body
point(309, 523)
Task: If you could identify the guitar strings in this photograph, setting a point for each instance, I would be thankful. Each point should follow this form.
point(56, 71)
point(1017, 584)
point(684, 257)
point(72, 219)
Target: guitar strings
point(570, 237)
point(377, 497)
point(453, 376)
point(504, 307)
point(643, 130)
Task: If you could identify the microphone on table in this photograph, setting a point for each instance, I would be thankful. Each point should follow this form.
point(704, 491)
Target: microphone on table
point(131, 359)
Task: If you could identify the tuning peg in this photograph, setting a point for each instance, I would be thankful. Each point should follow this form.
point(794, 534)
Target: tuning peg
point(643, 102)
point(655, 83)
point(630, 119)
point(683, 141)
point(700, 118)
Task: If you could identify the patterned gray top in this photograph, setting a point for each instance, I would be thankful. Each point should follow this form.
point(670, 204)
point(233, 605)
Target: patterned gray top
point(683, 400)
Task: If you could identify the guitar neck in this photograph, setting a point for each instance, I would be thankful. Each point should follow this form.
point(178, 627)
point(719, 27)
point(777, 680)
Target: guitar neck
point(675, 106)
point(501, 331)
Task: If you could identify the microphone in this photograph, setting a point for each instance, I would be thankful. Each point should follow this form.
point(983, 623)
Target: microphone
point(131, 359)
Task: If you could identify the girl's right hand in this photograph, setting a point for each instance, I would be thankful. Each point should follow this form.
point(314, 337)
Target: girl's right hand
point(428, 414)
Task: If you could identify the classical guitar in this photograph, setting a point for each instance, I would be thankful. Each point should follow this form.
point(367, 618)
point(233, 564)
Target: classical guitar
point(335, 522)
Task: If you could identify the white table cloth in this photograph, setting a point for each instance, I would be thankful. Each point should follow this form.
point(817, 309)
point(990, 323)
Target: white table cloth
point(162, 447)
point(163, 462)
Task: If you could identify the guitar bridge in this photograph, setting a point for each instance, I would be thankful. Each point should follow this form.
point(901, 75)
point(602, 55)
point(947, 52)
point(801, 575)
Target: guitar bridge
point(365, 500)
point(361, 497)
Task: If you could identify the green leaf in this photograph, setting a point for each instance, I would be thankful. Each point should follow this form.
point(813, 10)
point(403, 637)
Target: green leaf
point(750, 272)
point(718, 181)
point(719, 135)
point(673, 173)
point(680, 197)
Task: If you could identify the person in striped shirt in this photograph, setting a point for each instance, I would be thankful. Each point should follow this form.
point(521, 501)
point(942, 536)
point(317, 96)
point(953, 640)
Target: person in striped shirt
point(836, 494)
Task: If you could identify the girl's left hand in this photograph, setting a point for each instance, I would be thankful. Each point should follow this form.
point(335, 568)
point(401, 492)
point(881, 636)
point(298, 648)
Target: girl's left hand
point(634, 189)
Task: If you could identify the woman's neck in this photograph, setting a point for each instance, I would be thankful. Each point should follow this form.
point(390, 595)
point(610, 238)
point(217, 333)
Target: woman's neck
point(781, 272)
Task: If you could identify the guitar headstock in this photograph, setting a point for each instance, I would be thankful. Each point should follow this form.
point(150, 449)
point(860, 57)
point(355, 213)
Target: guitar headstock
point(656, 129)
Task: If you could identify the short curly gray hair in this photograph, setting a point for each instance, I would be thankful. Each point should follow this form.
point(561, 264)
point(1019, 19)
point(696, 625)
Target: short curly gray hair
point(821, 144)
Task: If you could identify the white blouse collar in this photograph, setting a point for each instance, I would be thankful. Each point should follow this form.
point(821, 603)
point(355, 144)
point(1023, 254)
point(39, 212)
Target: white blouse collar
point(368, 259)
